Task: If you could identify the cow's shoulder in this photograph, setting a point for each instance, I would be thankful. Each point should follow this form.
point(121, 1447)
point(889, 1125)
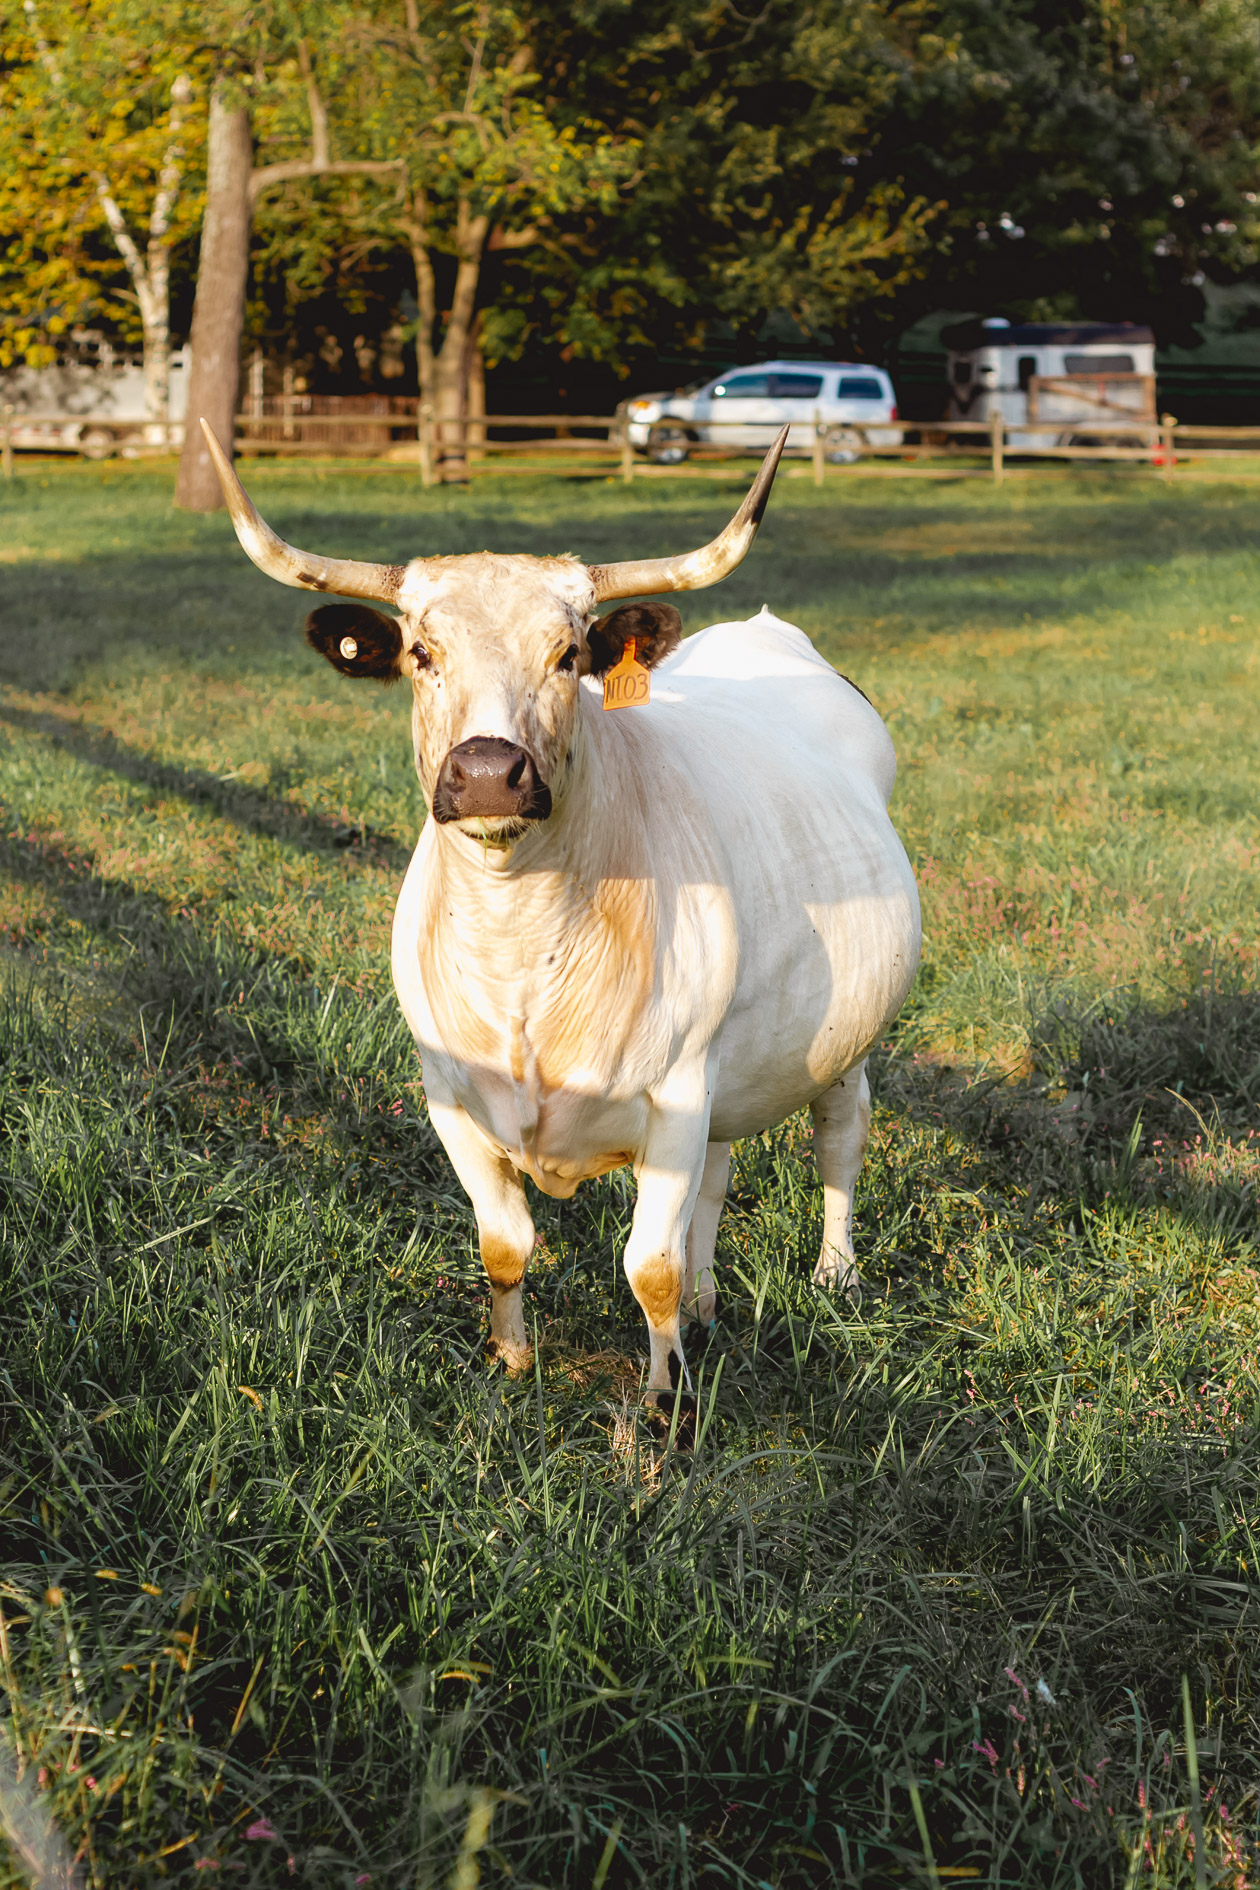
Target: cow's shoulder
point(743, 651)
point(778, 701)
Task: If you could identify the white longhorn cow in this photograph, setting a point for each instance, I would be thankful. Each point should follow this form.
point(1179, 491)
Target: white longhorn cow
point(627, 938)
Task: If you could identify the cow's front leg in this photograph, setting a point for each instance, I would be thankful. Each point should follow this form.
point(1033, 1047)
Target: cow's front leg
point(669, 1174)
point(505, 1230)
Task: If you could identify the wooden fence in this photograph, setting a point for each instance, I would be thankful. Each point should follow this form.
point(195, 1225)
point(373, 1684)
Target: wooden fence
point(397, 426)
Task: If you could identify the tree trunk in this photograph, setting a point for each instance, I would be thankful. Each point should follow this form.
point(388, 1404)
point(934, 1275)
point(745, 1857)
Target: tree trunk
point(450, 368)
point(426, 298)
point(475, 392)
point(155, 319)
point(219, 308)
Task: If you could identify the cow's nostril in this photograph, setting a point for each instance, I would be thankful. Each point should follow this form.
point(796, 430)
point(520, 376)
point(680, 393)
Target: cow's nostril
point(516, 773)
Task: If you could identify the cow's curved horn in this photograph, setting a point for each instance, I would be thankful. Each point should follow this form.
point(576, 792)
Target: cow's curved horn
point(694, 570)
point(302, 569)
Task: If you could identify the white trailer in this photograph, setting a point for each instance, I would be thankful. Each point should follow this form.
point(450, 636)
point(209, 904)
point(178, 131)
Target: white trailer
point(91, 401)
point(1050, 379)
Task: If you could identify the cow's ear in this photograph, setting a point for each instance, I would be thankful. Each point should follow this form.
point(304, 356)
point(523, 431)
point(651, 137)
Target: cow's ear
point(357, 640)
point(656, 629)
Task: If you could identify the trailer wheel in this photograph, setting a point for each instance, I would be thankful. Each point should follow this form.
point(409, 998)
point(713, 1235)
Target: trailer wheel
point(97, 443)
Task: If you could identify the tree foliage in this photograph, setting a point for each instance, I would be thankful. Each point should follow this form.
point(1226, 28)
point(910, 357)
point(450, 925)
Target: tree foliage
point(98, 131)
point(749, 199)
point(603, 180)
point(1096, 155)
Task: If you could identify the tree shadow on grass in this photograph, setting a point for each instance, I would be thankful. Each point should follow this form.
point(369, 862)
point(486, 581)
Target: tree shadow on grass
point(244, 806)
point(1122, 1102)
point(244, 1048)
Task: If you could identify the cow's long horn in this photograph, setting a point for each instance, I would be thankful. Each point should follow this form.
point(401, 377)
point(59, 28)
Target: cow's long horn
point(302, 569)
point(694, 570)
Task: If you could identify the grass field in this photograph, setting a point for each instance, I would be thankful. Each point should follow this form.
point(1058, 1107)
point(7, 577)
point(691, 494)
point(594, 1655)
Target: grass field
point(959, 1588)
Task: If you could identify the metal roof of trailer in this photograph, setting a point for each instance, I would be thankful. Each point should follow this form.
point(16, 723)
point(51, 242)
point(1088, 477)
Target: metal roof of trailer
point(964, 337)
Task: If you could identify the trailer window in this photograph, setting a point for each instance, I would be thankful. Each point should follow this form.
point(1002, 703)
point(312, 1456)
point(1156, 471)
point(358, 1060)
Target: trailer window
point(1027, 368)
point(1098, 363)
point(962, 373)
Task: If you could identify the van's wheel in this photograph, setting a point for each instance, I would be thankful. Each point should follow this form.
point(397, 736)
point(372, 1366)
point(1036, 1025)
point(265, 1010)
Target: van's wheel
point(97, 443)
point(842, 446)
point(668, 444)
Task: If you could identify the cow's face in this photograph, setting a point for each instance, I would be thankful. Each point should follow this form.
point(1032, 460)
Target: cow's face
point(494, 648)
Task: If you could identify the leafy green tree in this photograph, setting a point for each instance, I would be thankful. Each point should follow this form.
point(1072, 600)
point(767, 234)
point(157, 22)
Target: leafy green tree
point(275, 69)
point(98, 133)
point(491, 169)
point(1097, 155)
point(761, 187)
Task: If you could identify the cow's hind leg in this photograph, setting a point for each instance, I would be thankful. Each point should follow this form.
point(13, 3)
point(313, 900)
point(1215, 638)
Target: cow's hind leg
point(699, 1294)
point(505, 1230)
point(670, 1167)
point(842, 1121)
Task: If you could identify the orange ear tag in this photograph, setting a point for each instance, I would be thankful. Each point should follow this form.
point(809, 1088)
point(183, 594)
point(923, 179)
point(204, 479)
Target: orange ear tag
point(628, 684)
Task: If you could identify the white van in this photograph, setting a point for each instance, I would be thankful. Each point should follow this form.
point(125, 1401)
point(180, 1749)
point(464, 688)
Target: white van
point(1048, 378)
point(754, 402)
point(91, 401)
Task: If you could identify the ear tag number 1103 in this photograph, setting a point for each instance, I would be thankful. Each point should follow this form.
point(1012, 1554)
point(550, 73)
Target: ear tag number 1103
point(627, 685)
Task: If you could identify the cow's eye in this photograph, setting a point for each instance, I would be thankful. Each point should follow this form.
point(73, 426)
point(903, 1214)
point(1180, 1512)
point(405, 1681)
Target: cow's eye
point(568, 660)
point(423, 659)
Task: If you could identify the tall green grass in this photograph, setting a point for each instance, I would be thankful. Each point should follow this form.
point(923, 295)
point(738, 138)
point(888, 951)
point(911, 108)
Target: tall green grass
point(294, 1588)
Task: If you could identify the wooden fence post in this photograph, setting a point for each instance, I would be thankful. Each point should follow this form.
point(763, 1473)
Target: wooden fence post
point(424, 440)
point(1167, 422)
point(997, 440)
point(8, 441)
point(819, 461)
point(627, 454)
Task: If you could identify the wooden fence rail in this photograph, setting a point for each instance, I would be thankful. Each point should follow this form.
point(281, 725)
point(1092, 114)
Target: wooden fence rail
point(379, 426)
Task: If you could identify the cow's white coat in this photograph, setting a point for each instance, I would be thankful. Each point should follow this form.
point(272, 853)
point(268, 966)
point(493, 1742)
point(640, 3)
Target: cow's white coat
point(711, 930)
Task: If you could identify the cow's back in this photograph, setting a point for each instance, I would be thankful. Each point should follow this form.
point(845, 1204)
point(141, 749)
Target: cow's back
point(769, 671)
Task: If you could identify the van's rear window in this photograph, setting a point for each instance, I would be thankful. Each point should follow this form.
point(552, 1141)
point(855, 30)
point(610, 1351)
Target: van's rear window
point(1098, 363)
point(859, 387)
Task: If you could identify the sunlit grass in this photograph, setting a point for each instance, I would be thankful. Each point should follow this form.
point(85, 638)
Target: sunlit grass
point(291, 1577)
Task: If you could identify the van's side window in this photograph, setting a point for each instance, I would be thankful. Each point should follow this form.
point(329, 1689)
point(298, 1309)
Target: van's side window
point(742, 387)
point(1027, 368)
point(795, 386)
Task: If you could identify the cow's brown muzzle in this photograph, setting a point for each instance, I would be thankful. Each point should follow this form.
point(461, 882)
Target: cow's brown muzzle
point(488, 778)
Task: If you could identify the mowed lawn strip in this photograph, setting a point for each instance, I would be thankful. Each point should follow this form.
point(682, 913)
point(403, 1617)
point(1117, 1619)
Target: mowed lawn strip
point(295, 1588)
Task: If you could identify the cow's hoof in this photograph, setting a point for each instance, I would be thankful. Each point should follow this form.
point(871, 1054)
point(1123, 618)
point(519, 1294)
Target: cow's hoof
point(843, 1281)
point(660, 1416)
point(514, 1358)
